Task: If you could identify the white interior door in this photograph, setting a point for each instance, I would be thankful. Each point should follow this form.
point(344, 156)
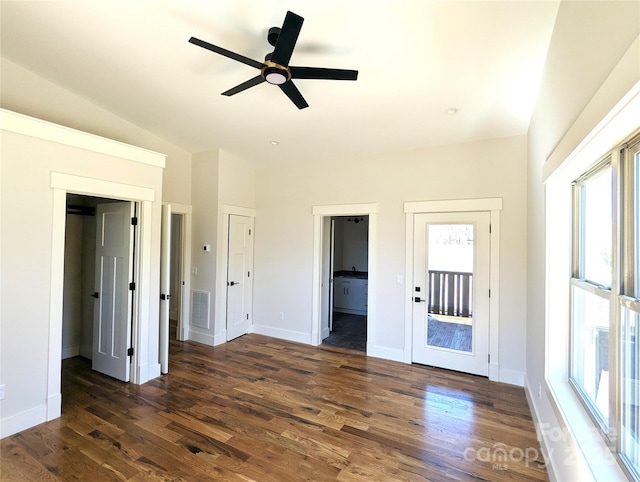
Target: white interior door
point(451, 291)
point(165, 286)
point(239, 275)
point(113, 299)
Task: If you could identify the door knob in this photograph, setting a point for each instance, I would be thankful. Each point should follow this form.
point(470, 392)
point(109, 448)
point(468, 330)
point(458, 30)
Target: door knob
point(95, 295)
point(233, 283)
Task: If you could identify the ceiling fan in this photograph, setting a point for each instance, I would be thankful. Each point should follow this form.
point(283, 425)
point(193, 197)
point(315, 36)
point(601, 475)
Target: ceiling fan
point(276, 69)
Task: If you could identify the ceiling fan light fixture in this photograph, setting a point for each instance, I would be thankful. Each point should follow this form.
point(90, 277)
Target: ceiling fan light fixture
point(275, 78)
point(275, 74)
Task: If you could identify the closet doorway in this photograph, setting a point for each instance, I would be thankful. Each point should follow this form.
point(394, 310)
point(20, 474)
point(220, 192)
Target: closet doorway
point(100, 265)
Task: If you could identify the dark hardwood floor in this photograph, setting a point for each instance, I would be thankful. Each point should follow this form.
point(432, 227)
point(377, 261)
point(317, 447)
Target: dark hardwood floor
point(263, 409)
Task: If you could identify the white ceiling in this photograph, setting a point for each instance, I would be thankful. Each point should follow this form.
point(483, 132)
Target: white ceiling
point(416, 58)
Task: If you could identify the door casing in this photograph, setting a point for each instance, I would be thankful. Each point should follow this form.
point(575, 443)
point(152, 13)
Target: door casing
point(494, 206)
point(61, 184)
point(220, 317)
point(319, 213)
point(184, 308)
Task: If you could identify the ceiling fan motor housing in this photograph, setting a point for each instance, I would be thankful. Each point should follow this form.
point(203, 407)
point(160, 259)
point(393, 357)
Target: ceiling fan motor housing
point(272, 35)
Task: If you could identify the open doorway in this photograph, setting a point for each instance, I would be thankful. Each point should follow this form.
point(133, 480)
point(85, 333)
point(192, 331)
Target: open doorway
point(175, 258)
point(99, 283)
point(175, 276)
point(348, 280)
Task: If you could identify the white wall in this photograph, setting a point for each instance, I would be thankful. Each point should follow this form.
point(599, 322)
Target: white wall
point(27, 93)
point(220, 179)
point(27, 226)
point(236, 189)
point(72, 307)
point(284, 227)
point(204, 231)
point(351, 248)
point(589, 39)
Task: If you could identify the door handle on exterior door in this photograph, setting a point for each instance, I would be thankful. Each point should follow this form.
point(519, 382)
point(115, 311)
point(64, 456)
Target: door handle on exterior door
point(233, 283)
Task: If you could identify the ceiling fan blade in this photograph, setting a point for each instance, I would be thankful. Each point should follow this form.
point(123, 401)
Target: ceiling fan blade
point(287, 39)
point(244, 86)
point(226, 53)
point(321, 73)
point(294, 94)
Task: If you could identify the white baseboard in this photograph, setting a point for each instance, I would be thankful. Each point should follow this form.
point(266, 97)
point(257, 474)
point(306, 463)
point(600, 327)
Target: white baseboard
point(512, 377)
point(54, 406)
point(289, 335)
point(70, 351)
point(23, 420)
point(203, 338)
point(393, 354)
point(551, 470)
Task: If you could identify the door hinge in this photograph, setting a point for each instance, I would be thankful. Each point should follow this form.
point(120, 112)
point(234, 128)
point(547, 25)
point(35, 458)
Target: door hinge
point(489, 293)
point(130, 351)
point(249, 231)
point(134, 221)
point(247, 316)
point(489, 358)
point(248, 274)
point(489, 229)
point(132, 286)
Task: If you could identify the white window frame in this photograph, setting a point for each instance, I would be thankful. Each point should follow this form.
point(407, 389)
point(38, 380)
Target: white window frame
point(579, 281)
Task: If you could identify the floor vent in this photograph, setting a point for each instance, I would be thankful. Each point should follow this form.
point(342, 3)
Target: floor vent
point(200, 308)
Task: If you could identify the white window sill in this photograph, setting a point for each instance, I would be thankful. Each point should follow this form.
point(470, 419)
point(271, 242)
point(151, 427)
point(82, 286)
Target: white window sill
point(586, 451)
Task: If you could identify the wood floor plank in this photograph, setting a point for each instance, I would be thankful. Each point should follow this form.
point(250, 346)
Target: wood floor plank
point(267, 410)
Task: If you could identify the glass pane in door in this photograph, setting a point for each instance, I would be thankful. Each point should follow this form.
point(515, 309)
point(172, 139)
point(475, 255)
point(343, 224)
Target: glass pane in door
point(450, 282)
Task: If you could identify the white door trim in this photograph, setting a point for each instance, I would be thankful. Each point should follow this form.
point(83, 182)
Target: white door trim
point(61, 185)
point(364, 209)
point(494, 206)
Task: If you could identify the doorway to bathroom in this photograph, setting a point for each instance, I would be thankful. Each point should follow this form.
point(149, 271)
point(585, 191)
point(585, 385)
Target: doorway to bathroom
point(348, 282)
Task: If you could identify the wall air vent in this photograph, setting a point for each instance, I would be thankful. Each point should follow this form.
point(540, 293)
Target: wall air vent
point(200, 308)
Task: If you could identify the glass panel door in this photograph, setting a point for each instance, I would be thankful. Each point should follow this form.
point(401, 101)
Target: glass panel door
point(451, 291)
